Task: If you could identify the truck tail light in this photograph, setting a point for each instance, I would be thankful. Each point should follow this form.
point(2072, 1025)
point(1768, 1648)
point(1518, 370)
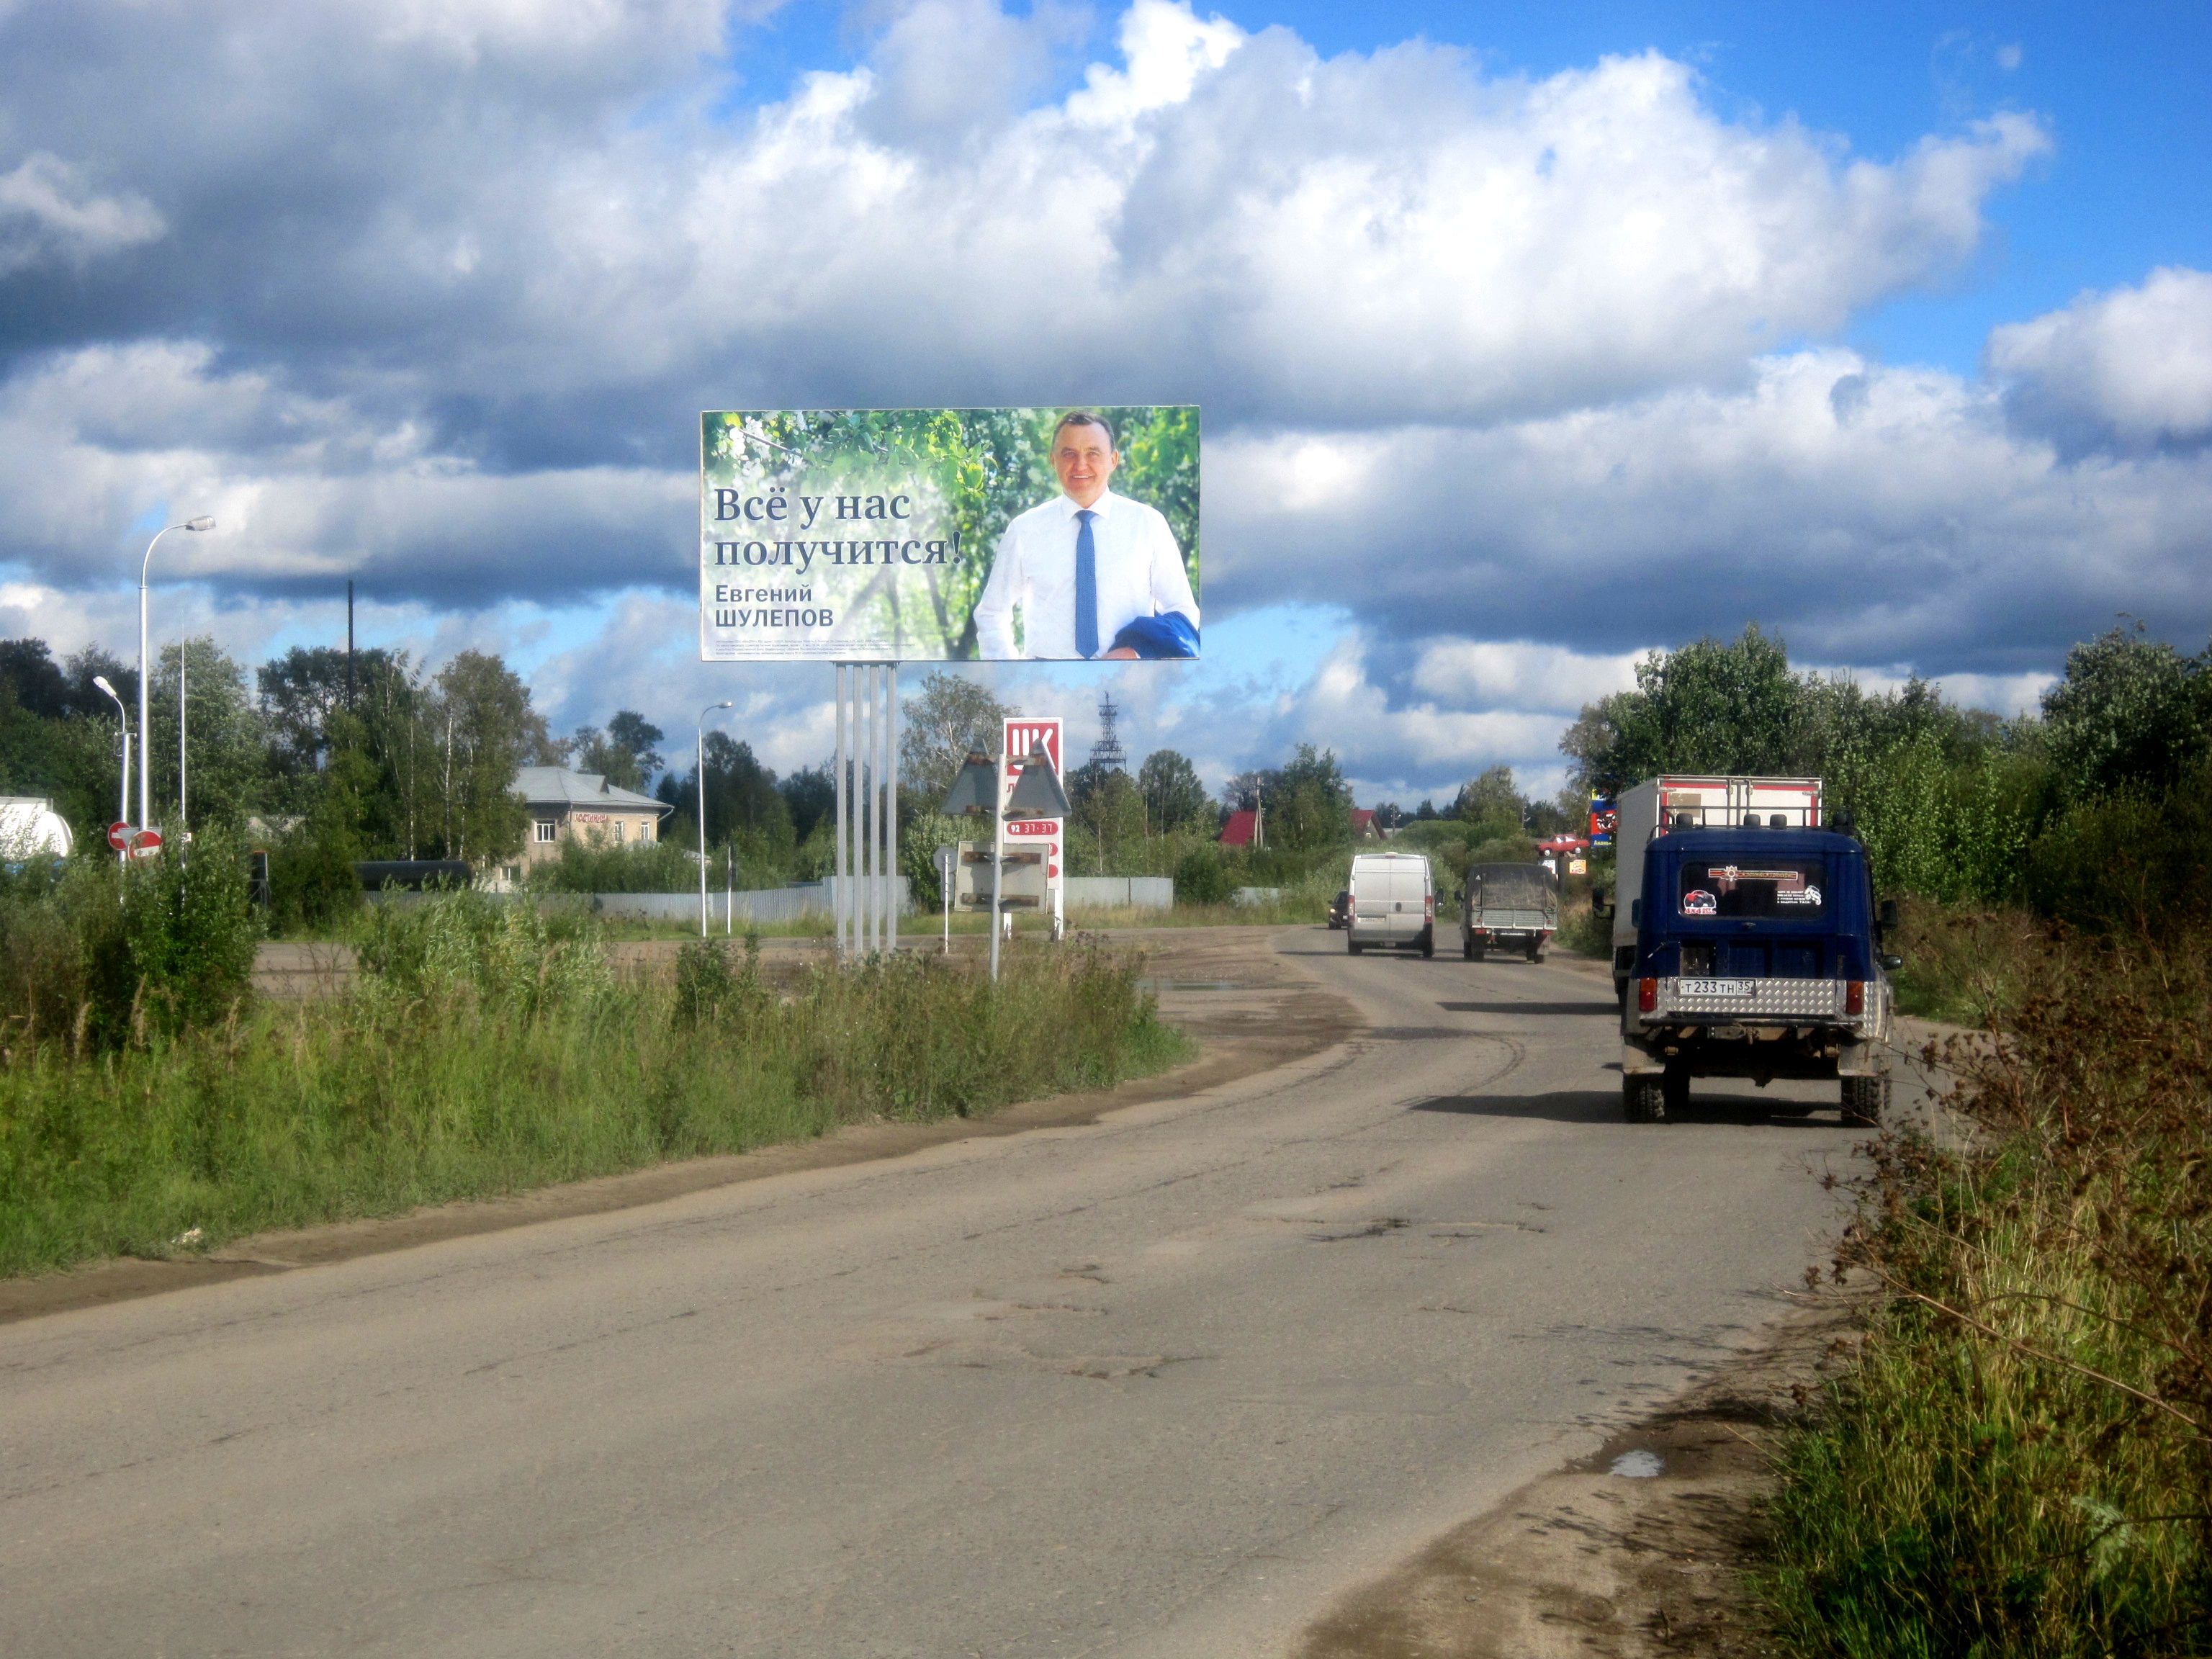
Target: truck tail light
point(1647, 995)
point(1855, 997)
point(1429, 907)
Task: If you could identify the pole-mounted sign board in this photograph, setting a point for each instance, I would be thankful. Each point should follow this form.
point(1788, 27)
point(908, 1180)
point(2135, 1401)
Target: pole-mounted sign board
point(1019, 736)
point(934, 535)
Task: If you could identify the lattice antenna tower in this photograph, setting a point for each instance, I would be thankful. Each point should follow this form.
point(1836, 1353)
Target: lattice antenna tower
point(1106, 751)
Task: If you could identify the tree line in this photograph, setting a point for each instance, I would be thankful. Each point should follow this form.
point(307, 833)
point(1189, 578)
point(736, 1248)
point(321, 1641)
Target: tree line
point(2088, 809)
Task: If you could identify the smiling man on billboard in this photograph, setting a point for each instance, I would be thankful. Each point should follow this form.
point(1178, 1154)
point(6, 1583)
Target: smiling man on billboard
point(1094, 575)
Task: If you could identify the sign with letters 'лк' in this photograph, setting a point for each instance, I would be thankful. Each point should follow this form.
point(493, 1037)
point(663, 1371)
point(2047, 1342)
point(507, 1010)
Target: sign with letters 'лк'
point(931, 535)
point(1019, 736)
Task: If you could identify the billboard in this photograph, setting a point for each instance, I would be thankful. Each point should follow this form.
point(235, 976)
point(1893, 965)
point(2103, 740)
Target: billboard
point(937, 535)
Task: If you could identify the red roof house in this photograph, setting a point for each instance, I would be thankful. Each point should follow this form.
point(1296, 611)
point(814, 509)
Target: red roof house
point(1240, 829)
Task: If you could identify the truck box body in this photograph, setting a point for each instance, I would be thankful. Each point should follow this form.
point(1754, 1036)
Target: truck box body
point(1509, 907)
point(1393, 901)
point(1681, 800)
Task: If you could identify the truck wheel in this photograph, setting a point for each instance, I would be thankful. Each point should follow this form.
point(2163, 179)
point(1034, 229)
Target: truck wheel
point(1428, 942)
point(1535, 950)
point(1352, 945)
point(1643, 1099)
point(1674, 1088)
point(1467, 948)
point(1865, 1099)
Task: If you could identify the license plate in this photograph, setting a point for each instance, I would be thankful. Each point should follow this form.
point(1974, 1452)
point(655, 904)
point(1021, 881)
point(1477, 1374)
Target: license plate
point(1719, 988)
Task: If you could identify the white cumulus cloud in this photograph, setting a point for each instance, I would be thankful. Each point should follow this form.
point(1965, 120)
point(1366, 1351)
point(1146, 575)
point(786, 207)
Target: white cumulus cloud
point(2134, 363)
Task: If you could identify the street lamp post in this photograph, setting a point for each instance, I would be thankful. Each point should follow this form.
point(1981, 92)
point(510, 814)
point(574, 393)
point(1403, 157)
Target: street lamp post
point(145, 753)
point(123, 790)
point(701, 730)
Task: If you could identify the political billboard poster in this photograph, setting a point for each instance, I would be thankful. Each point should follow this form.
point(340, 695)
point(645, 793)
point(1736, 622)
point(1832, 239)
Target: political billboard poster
point(936, 535)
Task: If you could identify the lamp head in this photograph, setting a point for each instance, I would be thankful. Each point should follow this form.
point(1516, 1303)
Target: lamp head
point(100, 680)
point(202, 523)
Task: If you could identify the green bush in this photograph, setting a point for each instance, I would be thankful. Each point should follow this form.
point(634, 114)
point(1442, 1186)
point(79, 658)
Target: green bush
point(189, 933)
point(592, 866)
point(2129, 863)
point(1202, 878)
point(313, 885)
point(92, 955)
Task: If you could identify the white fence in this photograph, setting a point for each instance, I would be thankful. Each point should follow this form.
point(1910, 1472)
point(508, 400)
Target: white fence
point(1121, 892)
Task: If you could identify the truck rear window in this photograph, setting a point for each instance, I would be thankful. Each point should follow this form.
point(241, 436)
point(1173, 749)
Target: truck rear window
point(1753, 887)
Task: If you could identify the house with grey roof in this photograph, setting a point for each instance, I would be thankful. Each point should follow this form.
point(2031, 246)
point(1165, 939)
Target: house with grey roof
point(567, 806)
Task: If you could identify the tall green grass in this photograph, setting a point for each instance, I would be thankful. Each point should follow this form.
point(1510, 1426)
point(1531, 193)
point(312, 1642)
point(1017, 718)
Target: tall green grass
point(489, 1049)
point(2020, 1462)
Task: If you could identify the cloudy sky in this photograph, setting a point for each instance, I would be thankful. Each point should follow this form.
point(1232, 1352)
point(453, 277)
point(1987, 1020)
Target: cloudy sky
point(1524, 342)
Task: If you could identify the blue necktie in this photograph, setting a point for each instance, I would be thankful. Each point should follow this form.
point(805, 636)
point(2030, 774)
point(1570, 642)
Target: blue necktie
point(1087, 586)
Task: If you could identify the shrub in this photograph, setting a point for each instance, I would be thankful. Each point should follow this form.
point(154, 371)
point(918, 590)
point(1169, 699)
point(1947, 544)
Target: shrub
point(189, 933)
point(313, 885)
point(92, 954)
point(594, 866)
point(1201, 878)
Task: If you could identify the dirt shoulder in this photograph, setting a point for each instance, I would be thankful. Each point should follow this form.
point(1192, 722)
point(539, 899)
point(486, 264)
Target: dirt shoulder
point(1249, 1008)
point(1643, 1548)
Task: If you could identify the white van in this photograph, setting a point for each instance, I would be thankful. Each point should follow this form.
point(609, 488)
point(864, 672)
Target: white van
point(1394, 901)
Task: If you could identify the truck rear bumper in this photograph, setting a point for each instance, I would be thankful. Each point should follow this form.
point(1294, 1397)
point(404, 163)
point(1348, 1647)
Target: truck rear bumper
point(1825, 1054)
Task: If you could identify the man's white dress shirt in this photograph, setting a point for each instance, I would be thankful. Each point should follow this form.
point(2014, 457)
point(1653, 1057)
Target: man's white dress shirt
point(1139, 569)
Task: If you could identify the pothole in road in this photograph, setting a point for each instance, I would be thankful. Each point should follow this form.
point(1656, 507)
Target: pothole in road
point(1638, 1466)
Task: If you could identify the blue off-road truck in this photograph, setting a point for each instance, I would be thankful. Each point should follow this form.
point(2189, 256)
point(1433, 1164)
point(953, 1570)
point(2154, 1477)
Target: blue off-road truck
point(1758, 954)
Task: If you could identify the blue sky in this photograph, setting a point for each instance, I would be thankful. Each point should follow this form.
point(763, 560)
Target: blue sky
point(1591, 328)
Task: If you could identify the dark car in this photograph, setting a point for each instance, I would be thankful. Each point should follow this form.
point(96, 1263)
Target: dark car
point(1340, 910)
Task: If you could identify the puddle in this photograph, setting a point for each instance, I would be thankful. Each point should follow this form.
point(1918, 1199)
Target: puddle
point(1637, 1465)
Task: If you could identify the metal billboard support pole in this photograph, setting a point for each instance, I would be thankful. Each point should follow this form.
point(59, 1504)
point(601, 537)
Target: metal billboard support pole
point(866, 884)
point(998, 866)
point(865, 899)
point(891, 817)
point(837, 894)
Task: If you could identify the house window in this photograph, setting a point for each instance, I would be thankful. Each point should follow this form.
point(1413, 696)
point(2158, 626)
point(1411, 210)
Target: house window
point(619, 829)
point(546, 829)
point(644, 831)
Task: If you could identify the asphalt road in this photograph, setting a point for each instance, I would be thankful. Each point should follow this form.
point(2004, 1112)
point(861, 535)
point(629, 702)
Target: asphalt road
point(1162, 1385)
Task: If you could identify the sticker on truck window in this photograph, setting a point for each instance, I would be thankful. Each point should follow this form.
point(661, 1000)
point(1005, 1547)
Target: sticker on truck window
point(1782, 887)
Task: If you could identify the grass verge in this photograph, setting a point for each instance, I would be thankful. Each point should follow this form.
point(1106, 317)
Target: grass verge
point(2021, 1462)
point(487, 1051)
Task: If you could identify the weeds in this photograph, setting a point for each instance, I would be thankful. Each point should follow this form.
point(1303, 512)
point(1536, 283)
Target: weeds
point(2021, 1462)
point(1967, 965)
point(488, 1049)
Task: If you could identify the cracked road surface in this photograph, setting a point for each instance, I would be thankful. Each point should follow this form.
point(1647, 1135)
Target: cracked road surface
point(1164, 1384)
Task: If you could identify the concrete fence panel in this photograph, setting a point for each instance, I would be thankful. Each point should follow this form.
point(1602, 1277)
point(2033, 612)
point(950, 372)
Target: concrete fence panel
point(1121, 892)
